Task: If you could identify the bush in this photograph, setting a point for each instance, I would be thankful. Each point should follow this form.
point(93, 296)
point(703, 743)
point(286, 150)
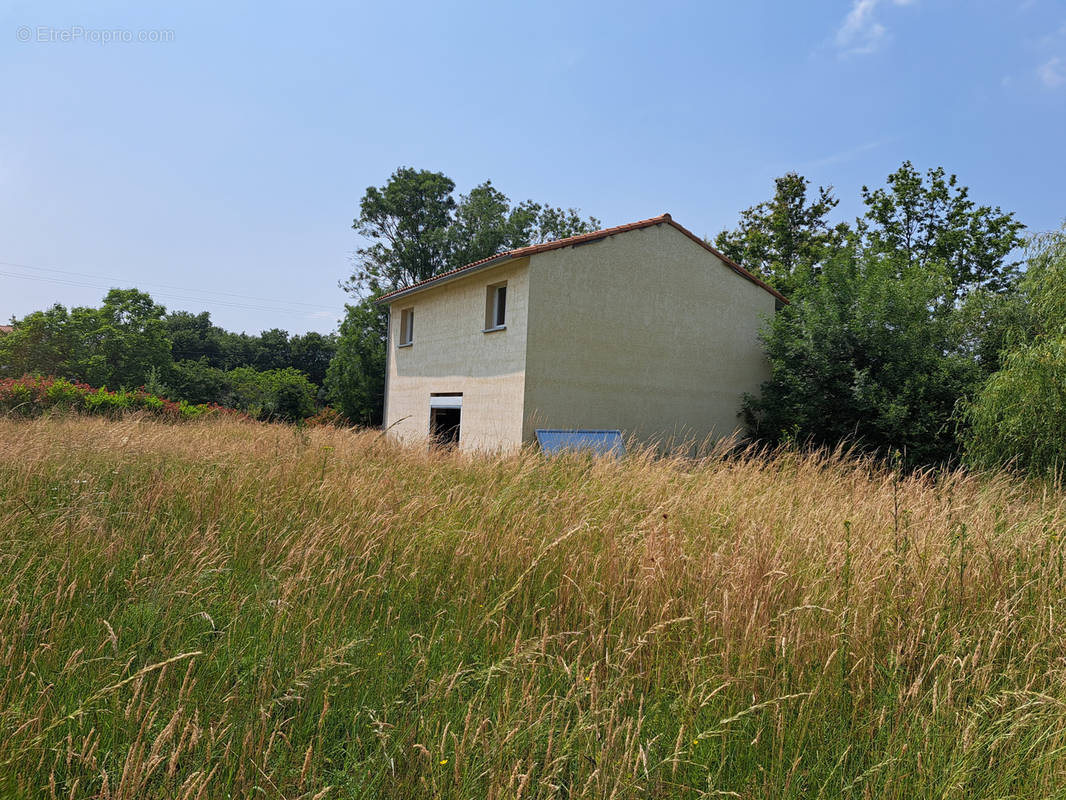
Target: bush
point(30, 396)
point(284, 394)
point(1019, 417)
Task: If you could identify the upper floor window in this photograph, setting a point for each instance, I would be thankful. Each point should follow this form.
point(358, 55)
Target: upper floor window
point(407, 327)
point(496, 307)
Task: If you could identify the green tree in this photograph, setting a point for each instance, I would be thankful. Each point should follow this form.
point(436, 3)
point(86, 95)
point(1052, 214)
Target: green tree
point(1019, 417)
point(40, 343)
point(284, 394)
point(787, 238)
point(198, 382)
point(194, 337)
point(355, 380)
point(311, 354)
point(272, 350)
point(932, 220)
point(129, 340)
point(485, 223)
point(859, 358)
point(406, 222)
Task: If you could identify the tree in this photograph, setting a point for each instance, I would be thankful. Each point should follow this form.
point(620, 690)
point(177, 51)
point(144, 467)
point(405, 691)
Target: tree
point(311, 354)
point(786, 238)
point(129, 340)
point(355, 380)
point(40, 343)
point(406, 222)
point(485, 223)
point(932, 220)
point(1019, 417)
point(194, 337)
point(197, 382)
point(272, 350)
point(859, 358)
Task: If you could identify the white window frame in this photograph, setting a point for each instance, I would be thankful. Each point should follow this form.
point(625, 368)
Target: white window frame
point(492, 308)
point(407, 327)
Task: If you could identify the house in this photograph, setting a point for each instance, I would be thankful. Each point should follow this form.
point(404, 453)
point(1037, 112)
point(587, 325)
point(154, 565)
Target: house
point(643, 328)
point(6, 329)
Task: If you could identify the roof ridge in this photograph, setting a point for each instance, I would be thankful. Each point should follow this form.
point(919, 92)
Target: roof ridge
point(580, 238)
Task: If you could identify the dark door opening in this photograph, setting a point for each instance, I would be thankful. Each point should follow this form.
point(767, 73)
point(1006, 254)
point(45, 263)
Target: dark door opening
point(444, 426)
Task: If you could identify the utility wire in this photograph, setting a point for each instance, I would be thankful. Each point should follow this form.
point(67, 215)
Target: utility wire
point(204, 292)
point(170, 295)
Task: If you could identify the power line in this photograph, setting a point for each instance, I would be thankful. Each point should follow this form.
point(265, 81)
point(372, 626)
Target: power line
point(170, 295)
point(203, 292)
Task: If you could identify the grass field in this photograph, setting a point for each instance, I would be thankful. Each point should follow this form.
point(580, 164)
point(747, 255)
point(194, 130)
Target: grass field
point(226, 609)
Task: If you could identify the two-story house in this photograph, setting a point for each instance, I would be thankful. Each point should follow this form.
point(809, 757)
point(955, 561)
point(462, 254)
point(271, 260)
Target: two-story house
point(643, 328)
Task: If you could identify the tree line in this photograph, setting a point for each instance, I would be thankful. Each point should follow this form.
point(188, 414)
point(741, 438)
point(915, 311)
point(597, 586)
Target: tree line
point(929, 330)
point(130, 341)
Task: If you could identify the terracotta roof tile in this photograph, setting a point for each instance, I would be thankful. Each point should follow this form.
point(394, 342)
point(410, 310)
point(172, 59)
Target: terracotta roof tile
point(6, 328)
point(583, 238)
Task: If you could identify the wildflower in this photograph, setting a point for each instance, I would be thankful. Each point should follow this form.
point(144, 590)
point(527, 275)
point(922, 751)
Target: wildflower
point(443, 761)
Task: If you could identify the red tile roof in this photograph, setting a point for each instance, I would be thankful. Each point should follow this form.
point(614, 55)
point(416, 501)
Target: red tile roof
point(6, 328)
point(583, 239)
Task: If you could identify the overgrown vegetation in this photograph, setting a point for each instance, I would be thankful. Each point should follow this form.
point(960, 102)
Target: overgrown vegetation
point(228, 609)
point(1019, 417)
point(31, 396)
point(895, 322)
point(130, 342)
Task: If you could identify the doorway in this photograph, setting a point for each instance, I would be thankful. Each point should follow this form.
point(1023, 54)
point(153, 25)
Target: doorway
point(445, 417)
point(444, 426)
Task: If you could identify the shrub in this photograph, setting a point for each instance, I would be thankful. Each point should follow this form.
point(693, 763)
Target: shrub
point(31, 396)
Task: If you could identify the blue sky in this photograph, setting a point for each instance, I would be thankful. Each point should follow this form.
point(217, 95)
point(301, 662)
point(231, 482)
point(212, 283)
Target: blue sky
point(221, 168)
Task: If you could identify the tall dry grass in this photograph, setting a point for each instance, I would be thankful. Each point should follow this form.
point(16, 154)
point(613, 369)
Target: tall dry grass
point(237, 610)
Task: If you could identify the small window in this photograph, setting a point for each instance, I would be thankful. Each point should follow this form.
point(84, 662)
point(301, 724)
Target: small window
point(496, 307)
point(407, 327)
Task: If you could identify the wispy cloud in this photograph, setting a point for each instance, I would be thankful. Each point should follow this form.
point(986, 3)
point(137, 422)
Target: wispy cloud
point(842, 156)
point(861, 33)
point(1052, 73)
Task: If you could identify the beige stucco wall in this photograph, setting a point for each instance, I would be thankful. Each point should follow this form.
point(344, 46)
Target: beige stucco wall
point(451, 354)
point(644, 331)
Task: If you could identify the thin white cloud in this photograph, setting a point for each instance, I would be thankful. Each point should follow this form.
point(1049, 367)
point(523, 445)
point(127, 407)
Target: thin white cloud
point(1052, 73)
point(861, 33)
point(842, 156)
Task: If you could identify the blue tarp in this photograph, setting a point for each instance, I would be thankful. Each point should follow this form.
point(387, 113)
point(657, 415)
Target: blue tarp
point(602, 443)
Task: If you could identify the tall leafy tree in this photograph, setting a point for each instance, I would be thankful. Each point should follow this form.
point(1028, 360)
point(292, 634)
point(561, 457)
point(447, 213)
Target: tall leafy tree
point(485, 223)
point(122, 341)
point(355, 379)
point(1019, 417)
point(406, 223)
point(858, 357)
point(787, 238)
point(311, 354)
point(194, 337)
point(931, 219)
point(272, 350)
point(41, 342)
point(890, 333)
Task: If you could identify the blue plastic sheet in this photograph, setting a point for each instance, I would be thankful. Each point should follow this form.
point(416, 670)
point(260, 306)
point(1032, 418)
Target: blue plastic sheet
point(602, 443)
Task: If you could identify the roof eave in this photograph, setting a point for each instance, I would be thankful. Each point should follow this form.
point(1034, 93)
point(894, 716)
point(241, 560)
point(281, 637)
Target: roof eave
point(392, 297)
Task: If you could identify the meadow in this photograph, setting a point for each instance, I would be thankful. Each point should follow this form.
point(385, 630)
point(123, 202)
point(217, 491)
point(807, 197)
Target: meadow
point(223, 609)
